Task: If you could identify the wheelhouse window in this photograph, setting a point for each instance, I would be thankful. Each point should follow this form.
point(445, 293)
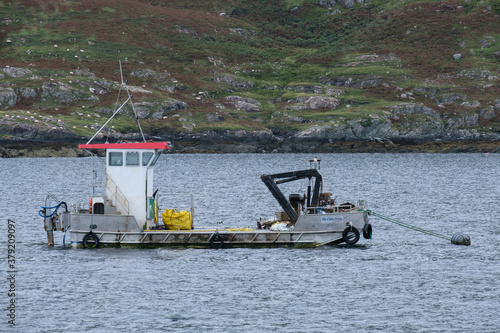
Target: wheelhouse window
point(146, 157)
point(115, 158)
point(157, 156)
point(132, 158)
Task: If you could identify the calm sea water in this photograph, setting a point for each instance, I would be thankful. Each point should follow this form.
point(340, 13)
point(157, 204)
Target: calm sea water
point(400, 281)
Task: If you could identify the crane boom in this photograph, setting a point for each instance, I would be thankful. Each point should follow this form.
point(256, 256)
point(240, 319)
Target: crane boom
point(272, 185)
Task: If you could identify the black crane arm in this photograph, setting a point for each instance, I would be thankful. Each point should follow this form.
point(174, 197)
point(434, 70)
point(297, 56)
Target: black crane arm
point(272, 185)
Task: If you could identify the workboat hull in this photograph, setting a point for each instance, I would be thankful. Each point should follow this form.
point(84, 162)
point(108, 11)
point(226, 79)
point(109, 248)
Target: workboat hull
point(310, 230)
point(214, 238)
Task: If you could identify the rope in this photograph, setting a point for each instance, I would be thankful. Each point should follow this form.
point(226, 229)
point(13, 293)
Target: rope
point(406, 225)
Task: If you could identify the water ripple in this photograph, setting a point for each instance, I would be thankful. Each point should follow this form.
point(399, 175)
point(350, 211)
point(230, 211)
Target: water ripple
point(399, 281)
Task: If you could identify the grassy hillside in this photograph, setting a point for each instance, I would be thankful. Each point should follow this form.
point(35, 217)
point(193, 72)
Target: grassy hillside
point(292, 64)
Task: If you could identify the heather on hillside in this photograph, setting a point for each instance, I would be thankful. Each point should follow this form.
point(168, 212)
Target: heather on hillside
point(262, 71)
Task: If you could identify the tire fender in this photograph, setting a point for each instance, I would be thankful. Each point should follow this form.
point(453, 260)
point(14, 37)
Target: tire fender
point(367, 231)
point(87, 237)
point(350, 235)
point(216, 241)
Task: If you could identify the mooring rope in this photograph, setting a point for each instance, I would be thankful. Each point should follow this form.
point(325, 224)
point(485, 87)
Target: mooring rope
point(406, 225)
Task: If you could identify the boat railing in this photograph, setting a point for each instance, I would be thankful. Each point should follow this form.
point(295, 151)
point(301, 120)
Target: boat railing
point(117, 196)
point(344, 207)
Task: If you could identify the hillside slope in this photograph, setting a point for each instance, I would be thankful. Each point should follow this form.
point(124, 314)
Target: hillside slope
point(251, 76)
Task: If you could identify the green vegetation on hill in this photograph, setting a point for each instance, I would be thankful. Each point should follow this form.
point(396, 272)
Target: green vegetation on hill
point(379, 68)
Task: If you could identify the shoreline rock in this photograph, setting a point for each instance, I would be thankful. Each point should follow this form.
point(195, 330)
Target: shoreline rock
point(204, 146)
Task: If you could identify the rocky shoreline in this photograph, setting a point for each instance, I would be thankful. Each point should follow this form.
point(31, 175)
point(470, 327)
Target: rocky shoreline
point(31, 140)
point(58, 149)
point(318, 118)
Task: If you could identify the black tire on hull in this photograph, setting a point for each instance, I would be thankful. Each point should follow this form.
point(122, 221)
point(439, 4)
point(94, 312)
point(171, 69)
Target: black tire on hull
point(350, 235)
point(216, 241)
point(367, 231)
point(90, 240)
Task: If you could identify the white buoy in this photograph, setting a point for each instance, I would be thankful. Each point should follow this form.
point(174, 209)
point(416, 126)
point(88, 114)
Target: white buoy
point(460, 239)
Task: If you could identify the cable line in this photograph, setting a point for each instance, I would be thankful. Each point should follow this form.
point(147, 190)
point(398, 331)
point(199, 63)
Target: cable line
point(458, 238)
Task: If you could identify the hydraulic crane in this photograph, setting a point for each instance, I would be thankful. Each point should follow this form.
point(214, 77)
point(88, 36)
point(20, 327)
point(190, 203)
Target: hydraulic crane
point(285, 177)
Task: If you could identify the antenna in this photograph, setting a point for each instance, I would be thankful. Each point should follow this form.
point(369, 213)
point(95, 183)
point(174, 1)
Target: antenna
point(131, 103)
point(121, 72)
point(123, 84)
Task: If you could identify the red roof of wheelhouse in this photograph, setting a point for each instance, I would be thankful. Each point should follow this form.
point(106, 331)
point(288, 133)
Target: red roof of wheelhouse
point(127, 145)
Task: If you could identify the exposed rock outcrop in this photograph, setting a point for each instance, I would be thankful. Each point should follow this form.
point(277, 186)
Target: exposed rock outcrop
point(8, 97)
point(316, 89)
point(234, 82)
point(244, 103)
point(27, 92)
point(411, 108)
point(157, 110)
point(61, 92)
point(313, 103)
point(36, 133)
point(15, 72)
point(351, 81)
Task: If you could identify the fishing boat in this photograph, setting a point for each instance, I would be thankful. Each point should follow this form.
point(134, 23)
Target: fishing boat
point(127, 211)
